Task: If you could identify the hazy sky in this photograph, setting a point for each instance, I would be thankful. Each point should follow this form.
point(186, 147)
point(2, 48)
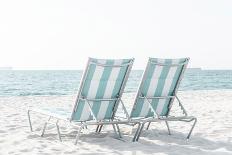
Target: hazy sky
point(53, 34)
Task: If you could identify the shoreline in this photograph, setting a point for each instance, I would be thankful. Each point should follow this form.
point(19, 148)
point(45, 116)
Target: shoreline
point(179, 91)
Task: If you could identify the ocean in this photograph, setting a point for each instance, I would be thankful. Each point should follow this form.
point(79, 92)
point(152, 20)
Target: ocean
point(66, 82)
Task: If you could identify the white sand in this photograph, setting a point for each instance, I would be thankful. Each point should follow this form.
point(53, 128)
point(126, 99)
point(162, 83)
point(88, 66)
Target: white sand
point(212, 135)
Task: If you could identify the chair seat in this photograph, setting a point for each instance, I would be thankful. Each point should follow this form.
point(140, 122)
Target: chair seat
point(60, 113)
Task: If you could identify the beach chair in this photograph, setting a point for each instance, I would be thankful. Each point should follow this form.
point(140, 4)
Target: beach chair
point(98, 97)
point(156, 94)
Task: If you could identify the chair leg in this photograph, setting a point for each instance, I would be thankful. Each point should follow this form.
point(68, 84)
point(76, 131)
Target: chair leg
point(97, 128)
point(148, 125)
point(190, 132)
point(78, 134)
point(119, 132)
point(29, 119)
point(140, 131)
point(86, 127)
point(169, 131)
point(115, 131)
point(58, 131)
point(136, 133)
point(44, 128)
point(100, 128)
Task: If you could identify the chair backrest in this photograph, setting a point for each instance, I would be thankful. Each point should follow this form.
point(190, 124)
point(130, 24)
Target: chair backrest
point(101, 88)
point(159, 85)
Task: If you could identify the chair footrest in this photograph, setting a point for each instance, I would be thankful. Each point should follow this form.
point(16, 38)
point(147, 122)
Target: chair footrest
point(59, 113)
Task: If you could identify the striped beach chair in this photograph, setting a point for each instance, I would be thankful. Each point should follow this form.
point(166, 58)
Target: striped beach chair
point(98, 97)
point(156, 94)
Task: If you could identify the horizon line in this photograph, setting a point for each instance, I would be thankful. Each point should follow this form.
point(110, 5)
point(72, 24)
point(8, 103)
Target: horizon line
point(78, 69)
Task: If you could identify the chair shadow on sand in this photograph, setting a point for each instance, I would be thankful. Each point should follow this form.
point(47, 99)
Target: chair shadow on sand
point(152, 141)
point(196, 145)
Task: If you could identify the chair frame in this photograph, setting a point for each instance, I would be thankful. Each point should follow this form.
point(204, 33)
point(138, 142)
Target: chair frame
point(83, 124)
point(166, 118)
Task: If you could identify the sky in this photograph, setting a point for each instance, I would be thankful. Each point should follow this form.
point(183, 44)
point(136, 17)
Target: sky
point(55, 34)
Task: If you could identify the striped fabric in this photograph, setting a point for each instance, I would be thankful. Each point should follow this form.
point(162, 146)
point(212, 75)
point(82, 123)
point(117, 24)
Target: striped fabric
point(157, 81)
point(101, 82)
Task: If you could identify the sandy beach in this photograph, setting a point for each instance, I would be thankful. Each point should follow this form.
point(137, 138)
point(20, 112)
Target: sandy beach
point(212, 135)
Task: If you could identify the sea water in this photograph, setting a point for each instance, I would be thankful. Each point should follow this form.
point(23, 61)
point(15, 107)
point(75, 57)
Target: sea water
point(48, 82)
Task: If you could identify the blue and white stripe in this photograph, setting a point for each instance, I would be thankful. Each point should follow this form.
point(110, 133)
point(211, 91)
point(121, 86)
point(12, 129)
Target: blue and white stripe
point(158, 81)
point(101, 82)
